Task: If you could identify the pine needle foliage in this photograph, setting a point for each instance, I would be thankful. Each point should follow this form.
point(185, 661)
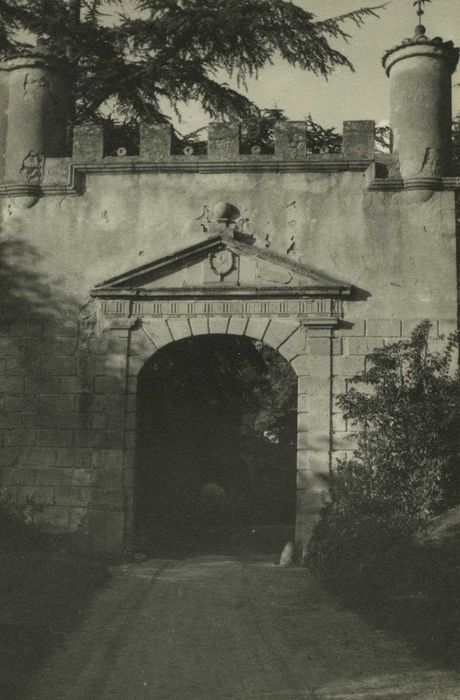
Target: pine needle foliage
point(128, 63)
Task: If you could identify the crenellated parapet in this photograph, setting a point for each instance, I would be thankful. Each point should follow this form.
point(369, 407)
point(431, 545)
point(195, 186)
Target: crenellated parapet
point(34, 148)
point(223, 153)
point(224, 145)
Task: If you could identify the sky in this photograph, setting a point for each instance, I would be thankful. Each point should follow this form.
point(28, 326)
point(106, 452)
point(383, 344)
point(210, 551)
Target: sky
point(363, 94)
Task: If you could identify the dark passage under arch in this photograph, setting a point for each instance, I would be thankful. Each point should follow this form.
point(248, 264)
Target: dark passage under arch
point(216, 446)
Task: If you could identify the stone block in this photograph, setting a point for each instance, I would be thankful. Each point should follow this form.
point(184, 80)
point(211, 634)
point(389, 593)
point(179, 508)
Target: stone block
point(237, 325)
point(22, 366)
point(67, 346)
point(344, 441)
point(39, 457)
point(299, 365)
point(23, 477)
point(109, 478)
point(53, 477)
point(130, 439)
point(294, 345)
point(278, 331)
point(362, 346)
point(223, 141)
point(302, 440)
point(130, 421)
point(9, 456)
point(130, 403)
point(179, 328)
point(69, 328)
point(78, 519)
point(257, 327)
point(314, 385)
point(339, 386)
point(107, 498)
point(73, 457)
point(114, 530)
point(199, 326)
point(75, 385)
point(10, 421)
point(319, 346)
point(447, 326)
point(109, 385)
point(99, 439)
point(106, 403)
point(10, 492)
point(129, 478)
point(59, 365)
point(56, 171)
point(55, 438)
point(384, 328)
point(291, 140)
point(131, 385)
point(318, 438)
point(359, 140)
point(355, 327)
point(129, 459)
point(409, 325)
point(337, 346)
point(348, 365)
point(303, 421)
point(19, 438)
point(42, 385)
point(218, 324)
point(41, 494)
point(73, 495)
point(339, 424)
point(159, 333)
point(11, 385)
point(107, 459)
point(135, 365)
point(57, 516)
point(155, 142)
point(55, 402)
point(88, 143)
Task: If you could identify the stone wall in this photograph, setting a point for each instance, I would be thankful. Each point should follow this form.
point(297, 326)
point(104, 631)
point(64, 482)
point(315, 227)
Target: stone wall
point(68, 370)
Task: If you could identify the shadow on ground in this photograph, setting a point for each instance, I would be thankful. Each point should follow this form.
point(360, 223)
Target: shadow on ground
point(44, 592)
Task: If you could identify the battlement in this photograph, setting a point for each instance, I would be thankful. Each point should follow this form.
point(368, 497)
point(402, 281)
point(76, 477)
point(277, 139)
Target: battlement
point(224, 144)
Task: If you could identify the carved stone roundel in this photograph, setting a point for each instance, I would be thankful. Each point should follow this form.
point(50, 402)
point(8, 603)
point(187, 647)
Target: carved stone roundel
point(222, 262)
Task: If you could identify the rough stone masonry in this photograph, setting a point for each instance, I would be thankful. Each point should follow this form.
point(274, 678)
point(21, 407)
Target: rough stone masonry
point(106, 259)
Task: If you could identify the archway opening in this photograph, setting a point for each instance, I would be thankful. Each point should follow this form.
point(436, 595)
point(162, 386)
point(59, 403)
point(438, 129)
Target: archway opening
point(216, 446)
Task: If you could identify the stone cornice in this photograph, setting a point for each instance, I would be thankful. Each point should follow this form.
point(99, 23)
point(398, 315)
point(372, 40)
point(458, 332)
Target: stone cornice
point(77, 172)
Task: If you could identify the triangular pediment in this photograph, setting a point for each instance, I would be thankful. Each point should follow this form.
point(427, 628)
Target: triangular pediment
point(222, 265)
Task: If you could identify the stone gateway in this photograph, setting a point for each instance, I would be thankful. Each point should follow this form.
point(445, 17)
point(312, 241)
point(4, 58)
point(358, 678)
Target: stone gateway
point(105, 259)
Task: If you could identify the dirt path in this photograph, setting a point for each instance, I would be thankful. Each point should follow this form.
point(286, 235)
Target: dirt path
point(216, 627)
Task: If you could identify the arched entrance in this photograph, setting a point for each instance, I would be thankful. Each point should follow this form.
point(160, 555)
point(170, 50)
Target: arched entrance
point(258, 295)
point(216, 452)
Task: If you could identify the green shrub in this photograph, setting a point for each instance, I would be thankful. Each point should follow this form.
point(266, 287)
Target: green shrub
point(406, 409)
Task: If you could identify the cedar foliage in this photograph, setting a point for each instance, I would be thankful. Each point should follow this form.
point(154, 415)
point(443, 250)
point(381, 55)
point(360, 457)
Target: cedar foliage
point(126, 63)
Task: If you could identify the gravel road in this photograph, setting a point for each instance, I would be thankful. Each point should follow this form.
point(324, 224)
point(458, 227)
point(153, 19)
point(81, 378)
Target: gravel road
point(209, 627)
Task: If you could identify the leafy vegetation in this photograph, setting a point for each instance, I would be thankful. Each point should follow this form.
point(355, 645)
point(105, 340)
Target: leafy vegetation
point(406, 406)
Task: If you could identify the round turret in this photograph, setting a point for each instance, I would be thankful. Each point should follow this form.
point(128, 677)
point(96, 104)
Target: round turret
point(36, 112)
point(420, 72)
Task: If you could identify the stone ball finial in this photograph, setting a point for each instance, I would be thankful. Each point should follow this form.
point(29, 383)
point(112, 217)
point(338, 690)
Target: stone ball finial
point(225, 212)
